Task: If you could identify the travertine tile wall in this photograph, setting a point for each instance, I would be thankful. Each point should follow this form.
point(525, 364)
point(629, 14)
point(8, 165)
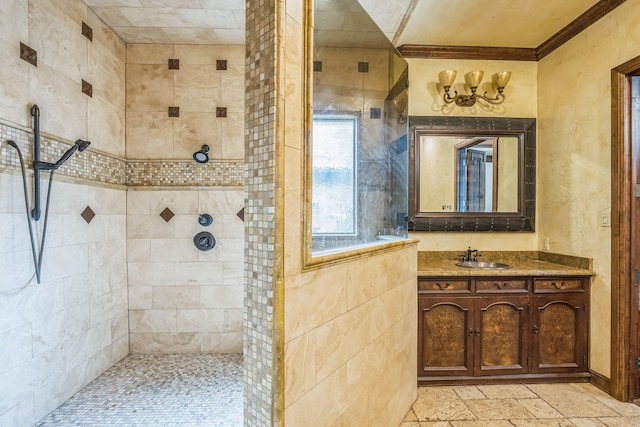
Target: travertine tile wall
point(182, 300)
point(57, 336)
point(350, 342)
point(197, 88)
point(349, 328)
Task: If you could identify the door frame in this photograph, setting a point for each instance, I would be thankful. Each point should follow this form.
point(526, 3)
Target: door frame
point(624, 290)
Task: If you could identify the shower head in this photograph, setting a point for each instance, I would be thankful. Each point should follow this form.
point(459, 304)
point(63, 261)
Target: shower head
point(202, 156)
point(79, 145)
point(82, 145)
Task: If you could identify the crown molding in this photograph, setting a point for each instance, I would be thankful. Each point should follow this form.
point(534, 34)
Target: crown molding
point(468, 52)
point(593, 14)
point(582, 22)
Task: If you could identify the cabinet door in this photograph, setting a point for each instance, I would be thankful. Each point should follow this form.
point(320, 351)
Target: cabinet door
point(444, 328)
point(560, 333)
point(501, 344)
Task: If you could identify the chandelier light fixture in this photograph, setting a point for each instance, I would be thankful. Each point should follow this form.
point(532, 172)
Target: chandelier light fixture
point(472, 79)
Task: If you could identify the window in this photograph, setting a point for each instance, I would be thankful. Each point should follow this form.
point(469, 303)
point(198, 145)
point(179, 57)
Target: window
point(334, 175)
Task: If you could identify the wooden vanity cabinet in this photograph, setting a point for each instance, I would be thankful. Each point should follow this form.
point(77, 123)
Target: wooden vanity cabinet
point(560, 325)
point(478, 329)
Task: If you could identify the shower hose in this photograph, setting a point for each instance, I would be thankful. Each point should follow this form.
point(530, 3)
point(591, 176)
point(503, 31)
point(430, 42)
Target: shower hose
point(37, 257)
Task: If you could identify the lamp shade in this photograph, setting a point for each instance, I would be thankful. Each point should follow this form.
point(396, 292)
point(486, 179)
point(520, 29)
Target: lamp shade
point(400, 103)
point(447, 77)
point(473, 78)
point(501, 79)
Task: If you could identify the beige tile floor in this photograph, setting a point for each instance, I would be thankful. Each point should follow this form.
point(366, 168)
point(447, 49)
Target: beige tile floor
point(558, 405)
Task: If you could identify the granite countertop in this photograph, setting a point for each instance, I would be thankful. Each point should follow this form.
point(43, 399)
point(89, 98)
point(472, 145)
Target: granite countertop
point(523, 263)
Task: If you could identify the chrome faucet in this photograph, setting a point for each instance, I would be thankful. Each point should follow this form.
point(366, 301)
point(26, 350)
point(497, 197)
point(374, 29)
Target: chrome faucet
point(468, 255)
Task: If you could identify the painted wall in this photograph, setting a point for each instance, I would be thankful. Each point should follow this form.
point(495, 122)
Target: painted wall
point(574, 128)
point(181, 299)
point(57, 336)
point(425, 99)
point(349, 329)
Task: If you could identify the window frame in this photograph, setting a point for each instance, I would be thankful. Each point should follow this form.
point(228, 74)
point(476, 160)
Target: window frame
point(354, 118)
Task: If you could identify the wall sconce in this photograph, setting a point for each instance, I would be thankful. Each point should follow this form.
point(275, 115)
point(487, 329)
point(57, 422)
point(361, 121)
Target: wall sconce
point(400, 106)
point(472, 79)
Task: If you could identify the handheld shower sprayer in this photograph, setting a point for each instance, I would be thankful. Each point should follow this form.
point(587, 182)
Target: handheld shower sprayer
point(80, 145)
point(38, 166)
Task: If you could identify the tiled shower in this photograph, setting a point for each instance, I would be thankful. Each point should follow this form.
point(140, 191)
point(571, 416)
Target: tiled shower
point(125, 280)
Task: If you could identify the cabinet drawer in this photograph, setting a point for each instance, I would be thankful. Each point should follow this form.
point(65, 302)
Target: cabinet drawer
point(501, 285)
point(558, 285)
point(445, 285)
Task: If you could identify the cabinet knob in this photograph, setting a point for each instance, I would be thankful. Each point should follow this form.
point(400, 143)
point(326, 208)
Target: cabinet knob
point(535, 329)
point(477, 331)
point(558, 285)
point(470, 332)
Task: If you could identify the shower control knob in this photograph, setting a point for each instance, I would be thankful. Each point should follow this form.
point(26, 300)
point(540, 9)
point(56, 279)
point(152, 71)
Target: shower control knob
point(204, 241)
point(205, 220)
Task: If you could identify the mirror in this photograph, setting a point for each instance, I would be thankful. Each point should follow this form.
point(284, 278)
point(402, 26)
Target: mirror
point(475, 173)
point(471, 174)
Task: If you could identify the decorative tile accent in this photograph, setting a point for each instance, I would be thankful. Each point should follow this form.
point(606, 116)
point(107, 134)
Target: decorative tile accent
point(221, 64)
point(240, 214)
point(167, 214)
point(317, 66)
point(174, 64)
point(28, 54)
point(87, 88)
point(88, 214)
point(363, 67)
point(221, 111)
point(88, 166)
point(374, 113)
point(87, 31)
point(99, 168)
point(174, 112)
point(261, 365)
point(147, 173)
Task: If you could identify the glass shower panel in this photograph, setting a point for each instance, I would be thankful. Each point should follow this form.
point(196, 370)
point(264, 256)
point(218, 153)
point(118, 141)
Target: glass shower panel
point(357, 74)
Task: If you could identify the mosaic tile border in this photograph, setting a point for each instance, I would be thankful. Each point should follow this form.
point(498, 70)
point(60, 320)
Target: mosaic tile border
point(261, 349)
point(100, 168)
point(184, 173)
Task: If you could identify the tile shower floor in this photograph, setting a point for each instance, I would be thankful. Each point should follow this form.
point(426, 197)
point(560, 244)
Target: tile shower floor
point(532, 405)
point(159, 390)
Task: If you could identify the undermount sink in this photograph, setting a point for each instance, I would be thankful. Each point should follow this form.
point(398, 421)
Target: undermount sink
point(483, 265)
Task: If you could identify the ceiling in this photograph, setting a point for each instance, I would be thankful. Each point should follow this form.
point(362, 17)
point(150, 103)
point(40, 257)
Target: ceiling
point(498, 23)
point(174, 21)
